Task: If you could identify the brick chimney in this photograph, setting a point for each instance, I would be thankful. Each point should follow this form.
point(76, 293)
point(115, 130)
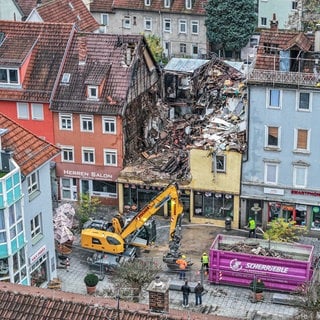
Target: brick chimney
point(274, 23)
point(158, 295)
point(82, 50)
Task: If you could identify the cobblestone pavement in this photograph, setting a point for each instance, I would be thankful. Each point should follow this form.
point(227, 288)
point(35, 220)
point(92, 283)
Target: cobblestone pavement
point(218, 299)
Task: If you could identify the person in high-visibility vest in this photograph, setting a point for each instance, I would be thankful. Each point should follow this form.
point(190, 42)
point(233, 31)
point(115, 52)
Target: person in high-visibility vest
point(205, 262)
point(182, 263)
point(252, 227)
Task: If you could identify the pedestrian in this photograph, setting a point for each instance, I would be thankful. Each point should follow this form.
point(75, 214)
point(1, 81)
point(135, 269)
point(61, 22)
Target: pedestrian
point(252, 227)
point(185, 294)
point(198, 293)
point(205, 263)
point(182, 263)
point(257, 287)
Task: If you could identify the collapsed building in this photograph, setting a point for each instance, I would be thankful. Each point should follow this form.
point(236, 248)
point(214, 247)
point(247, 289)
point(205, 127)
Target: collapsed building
point(201, 116)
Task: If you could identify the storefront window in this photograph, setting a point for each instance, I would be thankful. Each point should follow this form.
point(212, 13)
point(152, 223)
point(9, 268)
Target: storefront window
point(213, 205)
point(274, 210)
point(4, 268)
point(39, 273)
point(255, 210)
point(315, 224)
point(104, 187)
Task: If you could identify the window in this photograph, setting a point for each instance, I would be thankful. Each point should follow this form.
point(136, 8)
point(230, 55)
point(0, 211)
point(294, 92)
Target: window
point(126, 22)
point(67, 154)
point(183, 48)
point(220, 163)
point(194, 27)
point(109, 125)
point(104, 19)
point(66, 78)
point(110, 157)
point(167, 3)
point(302, 140)
point(274, 98)
point(147, 2)
point(107, 188)
point(22, 110)
point(86, 123)
point(304, 101)
point(167, 25)
point(195, 50)
point(272, 137)
point(300, 176)
point(182, 26)
point(35, 226)
point(68, 188)
point(92, 92)
point(9, 76)
point(37, 111)
point(148, 24)
point(33, 183)
point(65, 121)
point(188, 4)
point(263, 21)
point(294, 5)
point(271, 173)
point(88, 155)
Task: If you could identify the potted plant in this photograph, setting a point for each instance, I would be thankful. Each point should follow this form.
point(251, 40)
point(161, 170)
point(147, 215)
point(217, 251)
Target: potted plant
point(91, 280)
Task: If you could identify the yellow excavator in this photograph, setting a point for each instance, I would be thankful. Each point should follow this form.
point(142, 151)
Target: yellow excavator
point(121, 237)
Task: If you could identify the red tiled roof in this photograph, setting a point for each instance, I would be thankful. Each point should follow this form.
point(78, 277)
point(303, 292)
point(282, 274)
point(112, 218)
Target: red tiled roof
point(26, 6)
point(22, 302)
point(68, 11)
point(177, 6)
point(29, 151)
point(105, 66)
point(276, 40)
point(46, 44)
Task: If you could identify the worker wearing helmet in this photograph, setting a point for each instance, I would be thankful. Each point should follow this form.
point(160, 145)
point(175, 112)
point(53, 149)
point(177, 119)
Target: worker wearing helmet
point(182, 263)
point(205, 263)
point(252, 227)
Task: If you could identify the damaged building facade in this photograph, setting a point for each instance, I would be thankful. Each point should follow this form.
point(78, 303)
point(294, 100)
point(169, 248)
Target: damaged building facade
point(280, 178)
point(196, 138)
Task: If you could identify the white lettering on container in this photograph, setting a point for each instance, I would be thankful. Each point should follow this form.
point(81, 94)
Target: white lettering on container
point(266, 267)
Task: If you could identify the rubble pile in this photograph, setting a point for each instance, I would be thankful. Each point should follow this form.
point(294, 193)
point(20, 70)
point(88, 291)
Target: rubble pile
point(253, 248)
point(213, 120)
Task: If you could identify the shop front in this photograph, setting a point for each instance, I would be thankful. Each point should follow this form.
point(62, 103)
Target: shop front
point(39, 269)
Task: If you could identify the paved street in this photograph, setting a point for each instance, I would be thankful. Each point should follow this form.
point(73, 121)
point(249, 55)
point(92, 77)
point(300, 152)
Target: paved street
point(219, 300)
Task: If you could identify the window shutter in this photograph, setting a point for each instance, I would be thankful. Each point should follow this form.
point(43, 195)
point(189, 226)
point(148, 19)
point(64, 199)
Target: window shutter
point(302, 139)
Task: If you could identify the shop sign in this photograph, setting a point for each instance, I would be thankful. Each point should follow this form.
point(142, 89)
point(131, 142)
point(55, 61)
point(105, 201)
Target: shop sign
point(301, 207)
point(306, 193)
point(87, 174)
point(38, 254)
point(274, 191)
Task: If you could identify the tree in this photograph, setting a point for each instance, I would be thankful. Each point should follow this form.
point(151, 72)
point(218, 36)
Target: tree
point(154, 43)
point(280, 230)
point(230, 23)
point(87, 208)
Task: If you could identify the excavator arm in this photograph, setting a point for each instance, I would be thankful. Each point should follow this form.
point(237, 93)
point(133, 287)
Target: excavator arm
point(170, 193)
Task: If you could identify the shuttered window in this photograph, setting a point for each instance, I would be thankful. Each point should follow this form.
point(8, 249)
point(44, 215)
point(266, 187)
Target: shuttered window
point(302, 139)
point(273, 136)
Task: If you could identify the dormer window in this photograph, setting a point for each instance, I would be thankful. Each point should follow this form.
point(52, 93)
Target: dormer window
point(9, 76)
point(92, 92)
point(188, 4)
point(167, 3)
point(147, 2)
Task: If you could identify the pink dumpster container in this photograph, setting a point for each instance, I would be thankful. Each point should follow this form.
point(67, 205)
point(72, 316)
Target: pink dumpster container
point(281, 274)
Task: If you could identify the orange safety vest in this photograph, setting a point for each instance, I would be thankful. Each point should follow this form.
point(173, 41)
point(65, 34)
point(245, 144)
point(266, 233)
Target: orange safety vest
point(182, 264)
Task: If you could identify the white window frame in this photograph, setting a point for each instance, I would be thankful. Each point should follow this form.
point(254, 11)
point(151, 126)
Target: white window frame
point(112, 154)
point(36, 226)
point(194, 26)
point(220, 163)
point(182, 26)
point(70, 187)
point(269, 96)
point(294, 5)
point(126, 22)
point(37, 111)
point(193, 46)
point(33, 183)
point(296, 149)
point(300, 176)
point(308, 109)
point(85, 121)
point(188, 4)
point(88, 153)
point(183, 48)
point(65, 121)
point(93, 92)
point(267, 168)
point(263, 21)
point(266, 143)
point(147, 23)
point(9, 80)
point(104, 19)
point(23, 111)
point(167, 21)
point(167, 3)
point(147, 3)
point(67, 154)
point(66, 78)
point(111, 123)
